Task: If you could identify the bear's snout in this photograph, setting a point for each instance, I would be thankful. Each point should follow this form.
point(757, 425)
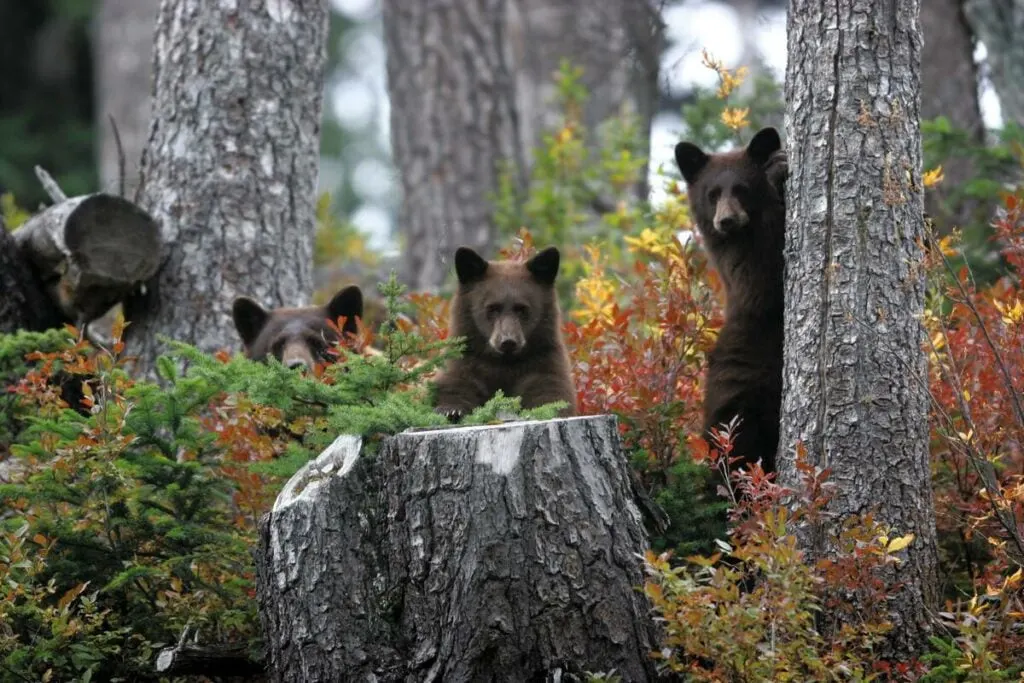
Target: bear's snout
point(297, 354)
point(729, 215)
point(507, 337)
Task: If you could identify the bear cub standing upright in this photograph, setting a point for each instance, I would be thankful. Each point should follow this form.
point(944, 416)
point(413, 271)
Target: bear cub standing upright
point(508, 313)
point(737, 201)
point(297, 337)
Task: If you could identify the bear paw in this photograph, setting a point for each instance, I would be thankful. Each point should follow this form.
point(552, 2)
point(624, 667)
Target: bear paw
point(453, 414)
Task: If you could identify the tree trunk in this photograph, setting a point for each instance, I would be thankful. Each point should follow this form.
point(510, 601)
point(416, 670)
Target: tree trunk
point(949, 87)
point(469, 83)
point(855, 375)
point(123, 55)
point(230, 167)
point(999, 24)
point(471, 554)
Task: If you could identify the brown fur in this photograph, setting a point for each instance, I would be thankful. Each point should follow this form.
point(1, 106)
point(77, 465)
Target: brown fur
point(737, 201)
point(297, 337)
point(508, 312)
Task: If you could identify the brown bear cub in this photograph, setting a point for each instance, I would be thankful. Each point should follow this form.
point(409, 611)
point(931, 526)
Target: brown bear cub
point(508, 313)
point(297, 337)
point(737, 201)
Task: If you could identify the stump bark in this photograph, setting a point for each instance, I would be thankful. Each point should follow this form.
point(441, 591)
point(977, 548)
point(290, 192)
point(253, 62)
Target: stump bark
point(499, 553)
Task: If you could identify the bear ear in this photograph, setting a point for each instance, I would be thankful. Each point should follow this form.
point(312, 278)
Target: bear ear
point(347, 302)
point(763, 144)
point(544, 265)
point(469, 265)
point(690, 159)
point(250, 318)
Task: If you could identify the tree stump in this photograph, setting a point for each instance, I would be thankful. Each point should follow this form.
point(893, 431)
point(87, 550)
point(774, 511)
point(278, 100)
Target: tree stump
point(498, 553)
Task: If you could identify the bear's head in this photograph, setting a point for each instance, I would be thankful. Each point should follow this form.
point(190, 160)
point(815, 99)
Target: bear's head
point(506, 309)
point(729, 190)
point(298, 337)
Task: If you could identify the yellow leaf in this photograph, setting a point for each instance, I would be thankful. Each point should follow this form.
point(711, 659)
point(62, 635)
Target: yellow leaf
point(736, 118)
point(933, 177)
point(946, 246)
point(898, 544)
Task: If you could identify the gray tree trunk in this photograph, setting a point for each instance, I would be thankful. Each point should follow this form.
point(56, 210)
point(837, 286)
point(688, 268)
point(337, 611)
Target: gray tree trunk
point(999, 25)
point(230, 167)
point(949, 87)
point(123, 56)
point(855, 382)
point(471, 554)
point(469, 88)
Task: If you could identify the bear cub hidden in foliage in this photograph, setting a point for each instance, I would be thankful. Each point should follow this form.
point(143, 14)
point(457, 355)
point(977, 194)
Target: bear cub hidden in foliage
point(737, 201)
point(297, 337)
point(508, 313)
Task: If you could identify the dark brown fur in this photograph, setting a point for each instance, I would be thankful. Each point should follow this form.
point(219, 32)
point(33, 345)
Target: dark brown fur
point(297, 337)
point(737, 201)
point(508, 312)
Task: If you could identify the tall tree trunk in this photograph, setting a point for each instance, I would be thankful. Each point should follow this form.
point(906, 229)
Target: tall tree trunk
point(230, 168)
point(999, 24)
point(949, 87)
point(123, 57)
point(468, 81)
point(855, 375)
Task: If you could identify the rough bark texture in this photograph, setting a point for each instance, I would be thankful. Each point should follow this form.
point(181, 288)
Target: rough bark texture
point(471, 554)
point(230, 167)
point(855, 376)
point(123, 56)
point(92, 251)
point(999, 24)
point(949, 87)
point(469, 82)
point(23, 302)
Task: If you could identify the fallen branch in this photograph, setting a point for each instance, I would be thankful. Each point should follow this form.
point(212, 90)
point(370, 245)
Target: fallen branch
point(89, 251)
point(191, 659)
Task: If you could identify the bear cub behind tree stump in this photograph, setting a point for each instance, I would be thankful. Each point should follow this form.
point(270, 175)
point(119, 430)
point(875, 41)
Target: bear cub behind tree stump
point(737, 201)
point(508, 313)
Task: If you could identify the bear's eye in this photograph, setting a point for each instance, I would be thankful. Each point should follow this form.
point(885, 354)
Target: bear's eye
point(714, 194)
point(493, 310)
point(741, 191)
point(519, 310)
point(277, 348)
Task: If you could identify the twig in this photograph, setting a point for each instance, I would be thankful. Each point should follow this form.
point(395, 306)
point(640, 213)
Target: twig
point(50, 185)
point(120, 156)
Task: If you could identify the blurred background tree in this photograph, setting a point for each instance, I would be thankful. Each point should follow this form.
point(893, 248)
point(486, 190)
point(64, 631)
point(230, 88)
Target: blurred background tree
point(69, 64)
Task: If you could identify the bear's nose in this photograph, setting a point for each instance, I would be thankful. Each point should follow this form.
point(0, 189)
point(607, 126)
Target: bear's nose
point(728, 223)
point(296, 363)
point(508, 346)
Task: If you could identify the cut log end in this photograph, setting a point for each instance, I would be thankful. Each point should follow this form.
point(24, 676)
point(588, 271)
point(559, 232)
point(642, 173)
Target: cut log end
point(502, 551)
point(91, 251)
